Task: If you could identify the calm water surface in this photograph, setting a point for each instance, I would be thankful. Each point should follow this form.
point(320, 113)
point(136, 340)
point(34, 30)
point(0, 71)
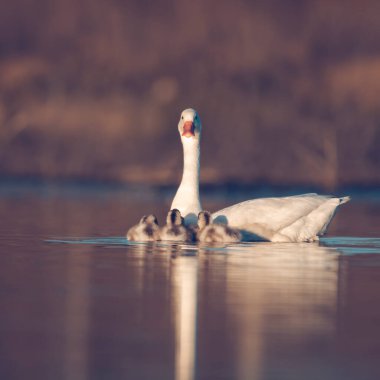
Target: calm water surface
point(78, 301)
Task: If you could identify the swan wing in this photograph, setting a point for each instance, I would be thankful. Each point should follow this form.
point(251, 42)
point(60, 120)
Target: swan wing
point(293, 218)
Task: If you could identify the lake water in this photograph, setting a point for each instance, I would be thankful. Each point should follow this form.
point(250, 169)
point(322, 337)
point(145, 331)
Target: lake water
point(78, 301)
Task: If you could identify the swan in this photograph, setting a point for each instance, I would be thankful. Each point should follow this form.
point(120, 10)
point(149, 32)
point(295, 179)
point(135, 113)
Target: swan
point(146, 230)
point(214, 232)
point(299, 218)
point(174, 229)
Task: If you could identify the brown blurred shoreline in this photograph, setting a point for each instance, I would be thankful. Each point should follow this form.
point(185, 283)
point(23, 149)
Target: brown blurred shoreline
point(288, 91)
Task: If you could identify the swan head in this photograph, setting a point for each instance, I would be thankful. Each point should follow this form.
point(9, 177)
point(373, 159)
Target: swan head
point(174, 218)
point(204, 219)
point(189, 125)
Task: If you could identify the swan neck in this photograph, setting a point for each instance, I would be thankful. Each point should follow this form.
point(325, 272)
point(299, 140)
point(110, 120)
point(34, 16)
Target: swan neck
point(187, 198)
point(191, 160)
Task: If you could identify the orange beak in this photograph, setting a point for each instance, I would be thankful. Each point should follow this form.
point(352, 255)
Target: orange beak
point(188, 129)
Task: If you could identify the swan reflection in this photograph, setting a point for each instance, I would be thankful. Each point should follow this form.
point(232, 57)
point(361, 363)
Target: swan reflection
point(267, 289)
point(185, 300)
point(229, 309)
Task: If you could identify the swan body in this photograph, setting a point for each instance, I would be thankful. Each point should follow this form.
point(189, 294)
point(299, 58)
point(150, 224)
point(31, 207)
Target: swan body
point(285, 219)
point(214, 232)
point(174, 229)
point(146, 230)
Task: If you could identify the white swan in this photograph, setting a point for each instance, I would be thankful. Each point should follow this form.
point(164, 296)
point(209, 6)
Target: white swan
point(285, 219)
point(210, 232)
point(146, 230)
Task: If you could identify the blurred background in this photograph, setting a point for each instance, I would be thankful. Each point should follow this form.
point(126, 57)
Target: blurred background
point(91, 92)
point(288, 91)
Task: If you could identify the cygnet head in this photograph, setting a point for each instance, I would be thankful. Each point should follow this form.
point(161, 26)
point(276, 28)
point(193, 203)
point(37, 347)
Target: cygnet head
point(174, 229)
point(174, 218)
point(215, 233)
point(189, 125)
point(149, 219)
point(146, 230)
point(204, 219)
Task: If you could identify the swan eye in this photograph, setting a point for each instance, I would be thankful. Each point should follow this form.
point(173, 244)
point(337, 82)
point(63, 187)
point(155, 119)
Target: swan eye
point(182, 117)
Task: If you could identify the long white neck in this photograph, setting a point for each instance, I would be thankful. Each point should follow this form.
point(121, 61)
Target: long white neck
point(187, 198)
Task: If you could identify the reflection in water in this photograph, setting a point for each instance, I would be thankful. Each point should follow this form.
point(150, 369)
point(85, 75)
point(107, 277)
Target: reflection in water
point(288, 291)
point(108, 308)
point(185, 271)
point(290, 288)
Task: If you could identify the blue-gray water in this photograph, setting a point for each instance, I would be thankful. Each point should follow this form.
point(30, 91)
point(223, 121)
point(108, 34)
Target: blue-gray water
point(78, 301)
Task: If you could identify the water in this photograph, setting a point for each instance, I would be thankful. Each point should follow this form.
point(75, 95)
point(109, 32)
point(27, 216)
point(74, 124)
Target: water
point(78, 301)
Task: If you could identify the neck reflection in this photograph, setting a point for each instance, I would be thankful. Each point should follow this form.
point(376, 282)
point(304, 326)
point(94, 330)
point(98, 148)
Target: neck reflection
point(185, 271)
